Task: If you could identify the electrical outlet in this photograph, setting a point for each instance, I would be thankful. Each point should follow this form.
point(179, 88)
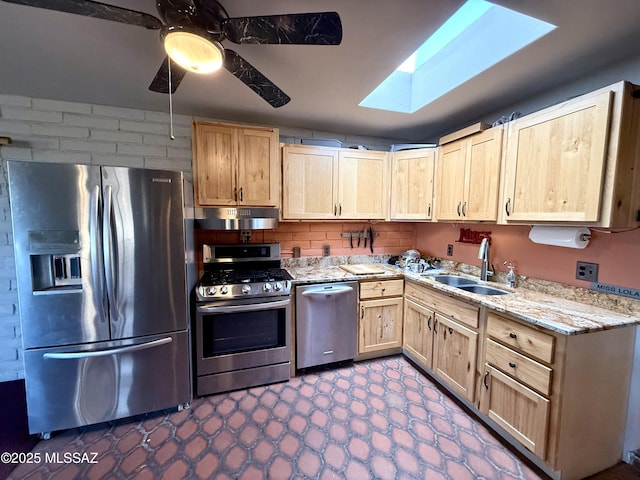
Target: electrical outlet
point(450, 249)
point(587, 271)
point(325, 250)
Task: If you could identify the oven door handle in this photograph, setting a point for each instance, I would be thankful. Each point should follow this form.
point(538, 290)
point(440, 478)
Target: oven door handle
point(252, 307)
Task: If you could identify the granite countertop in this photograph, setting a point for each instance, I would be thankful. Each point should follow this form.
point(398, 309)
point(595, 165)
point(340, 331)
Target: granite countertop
point(567, 317)
point(306, 275)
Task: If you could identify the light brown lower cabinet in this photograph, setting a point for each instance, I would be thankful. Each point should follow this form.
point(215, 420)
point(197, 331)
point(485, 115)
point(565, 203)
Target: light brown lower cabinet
point(563, 397)
point(380, 316)
point(455, 354)
point(445, 344)
point(417, 336)
point(519, 410)
point(559, 399)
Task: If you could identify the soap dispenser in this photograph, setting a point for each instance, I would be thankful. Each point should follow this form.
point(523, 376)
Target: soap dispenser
point(511, 276)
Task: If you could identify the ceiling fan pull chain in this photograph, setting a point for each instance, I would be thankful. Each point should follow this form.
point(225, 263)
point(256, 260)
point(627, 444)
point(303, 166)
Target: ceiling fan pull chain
point(171, 136)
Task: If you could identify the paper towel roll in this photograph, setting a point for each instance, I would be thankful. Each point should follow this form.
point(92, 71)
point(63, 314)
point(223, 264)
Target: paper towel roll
point(571, 237)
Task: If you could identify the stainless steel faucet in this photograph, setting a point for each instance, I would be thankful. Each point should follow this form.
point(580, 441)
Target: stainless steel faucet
point(483, 254)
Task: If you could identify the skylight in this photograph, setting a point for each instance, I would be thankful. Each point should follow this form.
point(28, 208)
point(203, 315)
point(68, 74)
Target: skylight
point(476, 37)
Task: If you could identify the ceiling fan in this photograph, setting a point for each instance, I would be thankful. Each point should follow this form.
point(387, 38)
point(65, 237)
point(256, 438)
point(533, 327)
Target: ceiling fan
point(192, 32)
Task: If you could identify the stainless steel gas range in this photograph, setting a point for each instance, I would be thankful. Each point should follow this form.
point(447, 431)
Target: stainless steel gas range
point(243, 318)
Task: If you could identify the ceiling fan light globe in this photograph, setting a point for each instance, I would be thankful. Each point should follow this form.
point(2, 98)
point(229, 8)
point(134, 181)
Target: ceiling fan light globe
point(193, 52)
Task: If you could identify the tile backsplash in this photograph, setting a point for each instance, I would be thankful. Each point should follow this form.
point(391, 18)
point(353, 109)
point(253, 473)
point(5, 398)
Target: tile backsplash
point(389, 238)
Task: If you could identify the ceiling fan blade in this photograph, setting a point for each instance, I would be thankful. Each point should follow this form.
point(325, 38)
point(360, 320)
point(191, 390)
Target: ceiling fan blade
point(252, 78)
point(89, 8)
point(160, 82)
point(298, 29)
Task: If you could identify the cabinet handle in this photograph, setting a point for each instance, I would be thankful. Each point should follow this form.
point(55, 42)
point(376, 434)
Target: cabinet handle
point(241, 196)
point(335, 210)
point(361, 312)
point(507, 206)
point(340, 209)
point(464, 209)
point(235, 194)
point(450, 331)
point(484, 380)
point(512, 365)
point(435, 326)
point(429, 210)
point(458, 208)
point(512, 335)
point(429, 323)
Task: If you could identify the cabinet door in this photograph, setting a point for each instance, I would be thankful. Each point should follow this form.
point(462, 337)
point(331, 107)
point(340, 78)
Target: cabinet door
point(518, 409)
point(380, 325)
point(215, 159)
point(258, 167)
point(308, 182)
point(412, 184)
point(482, 180)
point(455, 352)
point(555, 162)
point(417, 332)
point(362, 185)
point(451, 168)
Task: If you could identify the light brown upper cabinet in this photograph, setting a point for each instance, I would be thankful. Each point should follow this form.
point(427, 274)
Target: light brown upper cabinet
point(412, 184)
point(235, 165)
point(576, 162)
point(321, 183)
point(308, 189)
point(468, 177)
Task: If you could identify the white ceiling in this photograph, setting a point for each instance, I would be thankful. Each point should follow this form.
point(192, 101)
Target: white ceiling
point(61, 56)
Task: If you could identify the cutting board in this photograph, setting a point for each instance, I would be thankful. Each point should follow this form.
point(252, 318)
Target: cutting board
point(362, 269)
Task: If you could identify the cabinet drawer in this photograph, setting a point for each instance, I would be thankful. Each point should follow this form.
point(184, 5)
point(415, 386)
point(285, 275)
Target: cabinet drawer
point(526, 339)
point(416, 291)
point(382, 288)
point(452, 308)
point(528, 371)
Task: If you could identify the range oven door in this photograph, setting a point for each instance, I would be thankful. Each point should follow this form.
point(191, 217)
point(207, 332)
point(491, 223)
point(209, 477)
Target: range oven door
point(242, 334)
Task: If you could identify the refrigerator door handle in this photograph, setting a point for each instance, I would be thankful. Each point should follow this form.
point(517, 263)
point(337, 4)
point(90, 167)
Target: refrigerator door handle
point(109, 253)
point(97, 265)
point(107, 352)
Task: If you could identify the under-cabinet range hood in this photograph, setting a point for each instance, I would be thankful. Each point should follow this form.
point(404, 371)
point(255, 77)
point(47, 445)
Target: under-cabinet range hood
point(236, 218)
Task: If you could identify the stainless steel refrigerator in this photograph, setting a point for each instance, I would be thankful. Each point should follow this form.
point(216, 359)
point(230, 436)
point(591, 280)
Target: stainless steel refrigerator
point(101, 269)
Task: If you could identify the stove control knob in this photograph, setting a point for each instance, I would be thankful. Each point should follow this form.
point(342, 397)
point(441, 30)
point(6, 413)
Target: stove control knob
point(224, 290)
point(211, 291)
point(266, 287)
point(277, 286)
point(246, 289)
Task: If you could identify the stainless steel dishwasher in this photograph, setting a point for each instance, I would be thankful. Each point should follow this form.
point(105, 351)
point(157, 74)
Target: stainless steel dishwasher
point(326, 323)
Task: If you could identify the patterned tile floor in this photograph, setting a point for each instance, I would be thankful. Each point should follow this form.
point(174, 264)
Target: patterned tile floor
point(378, 419)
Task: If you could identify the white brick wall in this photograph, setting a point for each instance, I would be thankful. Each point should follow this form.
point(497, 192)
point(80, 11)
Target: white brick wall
point(67, 132)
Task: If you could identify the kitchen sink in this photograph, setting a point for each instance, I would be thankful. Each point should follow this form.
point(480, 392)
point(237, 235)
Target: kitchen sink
point(482, 290)
point(467, 284)
point(454, 280)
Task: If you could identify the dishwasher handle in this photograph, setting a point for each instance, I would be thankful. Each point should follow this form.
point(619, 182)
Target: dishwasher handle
point(327, 291)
